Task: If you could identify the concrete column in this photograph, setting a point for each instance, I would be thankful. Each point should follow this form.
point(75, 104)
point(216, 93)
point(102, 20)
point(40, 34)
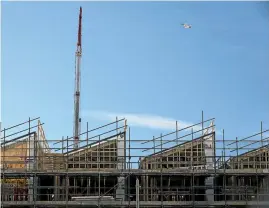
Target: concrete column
point(56, 188)
point(88, 185)
point(147, 188)
point(137, 186)
point(63, 189)
point(143, 184)
point(264, 189)
point(209, 149)
point(30, 166)
point(36, 183)
point(66, 188)
point(233, 184)
point(120, 191)
point(209, 182)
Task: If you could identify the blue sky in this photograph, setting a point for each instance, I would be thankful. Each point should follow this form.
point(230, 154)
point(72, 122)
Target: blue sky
point(137, 61)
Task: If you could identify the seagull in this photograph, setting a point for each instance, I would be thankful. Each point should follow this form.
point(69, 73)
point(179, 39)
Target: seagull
point(186, 26)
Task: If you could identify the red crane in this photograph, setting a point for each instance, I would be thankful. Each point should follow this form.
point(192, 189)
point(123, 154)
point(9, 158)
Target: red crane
point(77, 119)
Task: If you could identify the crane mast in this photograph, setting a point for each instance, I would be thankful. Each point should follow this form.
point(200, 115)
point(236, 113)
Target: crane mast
point(77, 119)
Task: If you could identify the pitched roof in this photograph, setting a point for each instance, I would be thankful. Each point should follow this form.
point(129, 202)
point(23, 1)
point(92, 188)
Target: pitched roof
point(13, 142)
point(95, 144)
point(257, 150)
point(179, 145)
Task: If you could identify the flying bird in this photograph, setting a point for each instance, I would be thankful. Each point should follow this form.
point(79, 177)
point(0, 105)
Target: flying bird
point(186, 26)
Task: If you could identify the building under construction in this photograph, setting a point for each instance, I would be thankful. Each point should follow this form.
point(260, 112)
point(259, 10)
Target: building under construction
point(104, 166)
point(188, 167)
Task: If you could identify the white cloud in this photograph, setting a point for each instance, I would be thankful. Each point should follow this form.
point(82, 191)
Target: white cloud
point(142, 120)
point(266, 134)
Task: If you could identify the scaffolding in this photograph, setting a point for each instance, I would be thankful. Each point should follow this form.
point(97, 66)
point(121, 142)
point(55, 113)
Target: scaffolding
point(194, 166)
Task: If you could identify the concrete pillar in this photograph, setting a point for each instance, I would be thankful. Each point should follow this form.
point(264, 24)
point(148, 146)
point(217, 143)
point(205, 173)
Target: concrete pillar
point(209, 182)
point(88, 185)
point(264, 189)
point(120, 191)
point(62, 188)
point(56, 188)
point(30, 166)
point(66, 188)
point(146, 188)
point(233, 185)
point(137, 186)
point(209, 149)
point(143, 184)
